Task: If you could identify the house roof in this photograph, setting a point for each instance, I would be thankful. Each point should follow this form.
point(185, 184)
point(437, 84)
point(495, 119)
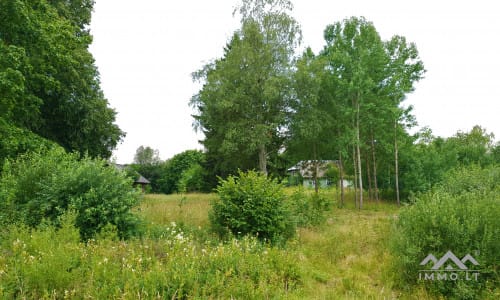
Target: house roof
point(142, 180)
point(306, 167)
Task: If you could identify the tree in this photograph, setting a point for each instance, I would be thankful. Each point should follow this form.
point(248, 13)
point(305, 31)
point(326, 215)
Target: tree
point(368, 79)
point(311, 123)
point(243, 103)
point(356, 59)
point(49, 83)
point(183, 167)
point(146, 156)
point(404, 69)
point(473, 147)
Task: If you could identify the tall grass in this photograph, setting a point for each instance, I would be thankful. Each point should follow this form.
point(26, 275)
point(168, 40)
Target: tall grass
point(345, 257)
point(190, 209)
point(54, 264)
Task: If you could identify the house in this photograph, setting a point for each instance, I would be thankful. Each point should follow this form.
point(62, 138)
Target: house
point(306, 169)
point(143, 182)
point(139, 179)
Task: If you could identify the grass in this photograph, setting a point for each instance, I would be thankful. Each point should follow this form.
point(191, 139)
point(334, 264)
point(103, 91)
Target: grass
point(345, 258)
point(188, 209)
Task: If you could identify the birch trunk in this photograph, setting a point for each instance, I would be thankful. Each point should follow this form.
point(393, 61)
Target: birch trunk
point(396, 167)
point(263, 159)
point(374, 168)
point(341, 171)
point(360, 177)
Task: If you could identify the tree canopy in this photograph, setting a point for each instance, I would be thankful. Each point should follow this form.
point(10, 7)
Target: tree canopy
point(243, 103)
point(49, 83)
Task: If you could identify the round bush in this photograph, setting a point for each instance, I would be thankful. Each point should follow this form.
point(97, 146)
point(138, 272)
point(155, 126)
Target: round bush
point(252, 204)
point(44, 185)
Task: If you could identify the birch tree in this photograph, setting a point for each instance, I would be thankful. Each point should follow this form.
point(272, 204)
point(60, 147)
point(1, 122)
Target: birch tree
point(243, 104)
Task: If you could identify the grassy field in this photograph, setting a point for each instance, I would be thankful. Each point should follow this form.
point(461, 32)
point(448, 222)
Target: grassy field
point(344, 258)
point(178, 257)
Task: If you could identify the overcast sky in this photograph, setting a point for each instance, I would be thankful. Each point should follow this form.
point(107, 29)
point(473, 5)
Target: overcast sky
point(146, 51)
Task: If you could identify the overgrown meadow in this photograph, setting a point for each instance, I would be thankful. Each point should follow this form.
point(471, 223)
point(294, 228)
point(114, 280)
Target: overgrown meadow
point(177, 256)
point(172, 247)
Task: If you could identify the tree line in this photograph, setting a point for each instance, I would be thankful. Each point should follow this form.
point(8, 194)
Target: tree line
point(184, 172)
point(263, 107)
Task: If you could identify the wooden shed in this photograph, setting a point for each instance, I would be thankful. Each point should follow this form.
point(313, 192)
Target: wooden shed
point(143, 182)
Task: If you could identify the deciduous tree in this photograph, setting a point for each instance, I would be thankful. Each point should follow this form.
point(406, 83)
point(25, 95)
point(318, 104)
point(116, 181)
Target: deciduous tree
point(49, 83)
point(243, 103)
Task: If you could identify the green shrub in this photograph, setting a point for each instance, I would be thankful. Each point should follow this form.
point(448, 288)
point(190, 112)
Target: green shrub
point(461, 216)
point(191, 179)
point(252, 204)
point(308, 210)
point(44, 185)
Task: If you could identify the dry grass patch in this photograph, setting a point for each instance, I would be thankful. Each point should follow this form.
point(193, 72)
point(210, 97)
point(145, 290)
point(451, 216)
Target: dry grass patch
point(189, 209)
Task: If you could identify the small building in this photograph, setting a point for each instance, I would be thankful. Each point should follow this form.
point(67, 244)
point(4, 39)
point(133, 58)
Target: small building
point(306, 170)
point(141, 181)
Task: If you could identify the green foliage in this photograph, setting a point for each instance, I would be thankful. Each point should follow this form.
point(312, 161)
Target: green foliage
point(192, 179)
point(49, 83)
point(243, 103)
point(15, 141)
point(183, 172)
point(308, 210)
point(252, 204)
point(51, 263)
point(44, 185)
point(425, 163)
point(176, 168)
point(146, 156)
point(314, 116)
point(461, 216)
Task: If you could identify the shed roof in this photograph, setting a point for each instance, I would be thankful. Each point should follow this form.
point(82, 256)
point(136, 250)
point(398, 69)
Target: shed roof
point(142, 180)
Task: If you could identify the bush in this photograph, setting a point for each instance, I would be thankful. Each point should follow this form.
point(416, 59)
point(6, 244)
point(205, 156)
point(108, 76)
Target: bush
point(308, 210)
point(44, 185)
point(252, 204)
point(460, 216)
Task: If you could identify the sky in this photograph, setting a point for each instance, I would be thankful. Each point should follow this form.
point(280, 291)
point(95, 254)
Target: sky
point(146, 51)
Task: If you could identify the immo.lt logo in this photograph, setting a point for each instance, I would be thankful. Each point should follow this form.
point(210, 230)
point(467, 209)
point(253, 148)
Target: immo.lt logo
point(449, 267)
